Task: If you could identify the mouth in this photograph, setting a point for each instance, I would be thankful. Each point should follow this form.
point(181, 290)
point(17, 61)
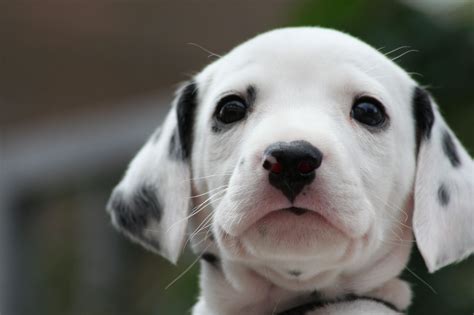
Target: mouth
point(284, 220)
point(296, 210)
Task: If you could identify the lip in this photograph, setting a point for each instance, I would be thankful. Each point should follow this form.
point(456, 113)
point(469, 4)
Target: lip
point(309, 214)
point(295, 210)
point(294, 213)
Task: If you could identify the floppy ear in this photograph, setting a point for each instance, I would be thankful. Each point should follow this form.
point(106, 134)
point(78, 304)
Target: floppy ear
point(443, 218)
point(151, 203)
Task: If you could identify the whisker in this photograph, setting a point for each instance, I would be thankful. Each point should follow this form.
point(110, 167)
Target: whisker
point(206, 177)
point(211, 54)
point(197, 209)
point(403, 54)
point(207, 192)
point(396, 208)
point(186, 270)
point(396, 49)
point(421, 280)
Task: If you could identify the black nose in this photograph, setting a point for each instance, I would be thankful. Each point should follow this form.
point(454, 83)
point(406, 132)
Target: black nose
point(291, 166)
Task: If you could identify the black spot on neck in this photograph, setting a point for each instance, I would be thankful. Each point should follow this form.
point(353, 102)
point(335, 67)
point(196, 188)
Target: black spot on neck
point(294, 273)
point(423, 113)
point(211, 236)
point(186, 108)
point(443, 195)
point(211, 259)
point(450, 150)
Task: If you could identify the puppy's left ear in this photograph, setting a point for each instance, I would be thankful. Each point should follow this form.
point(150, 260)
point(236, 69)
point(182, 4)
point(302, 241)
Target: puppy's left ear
point(151, 203)
point(443, 218)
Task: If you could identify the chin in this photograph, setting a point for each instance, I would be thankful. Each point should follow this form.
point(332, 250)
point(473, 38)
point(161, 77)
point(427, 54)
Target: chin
point(304, 236)
point(296, 248)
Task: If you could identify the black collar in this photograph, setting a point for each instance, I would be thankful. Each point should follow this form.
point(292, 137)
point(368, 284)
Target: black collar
point(302, 309)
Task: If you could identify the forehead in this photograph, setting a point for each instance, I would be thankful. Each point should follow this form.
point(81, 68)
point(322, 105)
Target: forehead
point(298, 57)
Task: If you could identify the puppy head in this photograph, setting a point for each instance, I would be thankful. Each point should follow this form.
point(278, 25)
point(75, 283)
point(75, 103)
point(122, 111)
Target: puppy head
point(303, 147)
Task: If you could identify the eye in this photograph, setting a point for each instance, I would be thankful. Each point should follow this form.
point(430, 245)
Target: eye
point(230, 109)
point(368, 111)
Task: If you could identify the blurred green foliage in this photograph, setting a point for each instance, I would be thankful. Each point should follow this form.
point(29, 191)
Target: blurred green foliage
point(444, 63)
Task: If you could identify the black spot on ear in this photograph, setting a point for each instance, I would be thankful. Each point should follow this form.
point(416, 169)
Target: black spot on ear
point(133, 214)
point(156, 135)
point(424, 115)
point(186, 108)
point(210, 259)
point(443, 195)
point(126, 217)
point(146, 202)
point(174, 148)
point(450, 150)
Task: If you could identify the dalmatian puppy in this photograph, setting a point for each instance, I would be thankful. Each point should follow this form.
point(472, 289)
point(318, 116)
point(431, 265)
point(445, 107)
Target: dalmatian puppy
point(301, 166)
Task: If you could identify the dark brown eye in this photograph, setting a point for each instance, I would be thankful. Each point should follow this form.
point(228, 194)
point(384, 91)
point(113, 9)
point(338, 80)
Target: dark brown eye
point(368, 111)
point(230, 109)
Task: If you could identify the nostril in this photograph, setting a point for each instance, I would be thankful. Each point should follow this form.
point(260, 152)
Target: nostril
point(267, 165)
point(274, 167)
point(306, 167)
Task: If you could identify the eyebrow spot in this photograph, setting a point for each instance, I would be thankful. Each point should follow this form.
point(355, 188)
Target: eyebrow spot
point(251, 94)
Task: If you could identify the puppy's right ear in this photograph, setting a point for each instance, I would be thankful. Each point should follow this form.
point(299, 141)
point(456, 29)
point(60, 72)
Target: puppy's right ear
point(151, 203)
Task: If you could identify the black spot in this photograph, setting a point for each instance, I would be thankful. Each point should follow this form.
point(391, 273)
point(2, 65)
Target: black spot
point(443, 195)
point(156, 135)
point(251, 95)
point(126, 217)
point(146, 202)
point(174, 148)
point(210, 259)
point(424, 115)
point(186, 108)
point(133, 214)
point(211, 236)
point(450, 150)
point(294, 273)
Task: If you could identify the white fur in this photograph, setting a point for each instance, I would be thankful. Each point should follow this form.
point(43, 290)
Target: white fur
point(358, 237)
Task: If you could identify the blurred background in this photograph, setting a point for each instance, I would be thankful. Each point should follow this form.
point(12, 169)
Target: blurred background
point(83, 84)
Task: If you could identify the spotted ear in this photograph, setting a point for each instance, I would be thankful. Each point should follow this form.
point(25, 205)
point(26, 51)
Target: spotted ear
point(443, 218)
point(151, 203)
